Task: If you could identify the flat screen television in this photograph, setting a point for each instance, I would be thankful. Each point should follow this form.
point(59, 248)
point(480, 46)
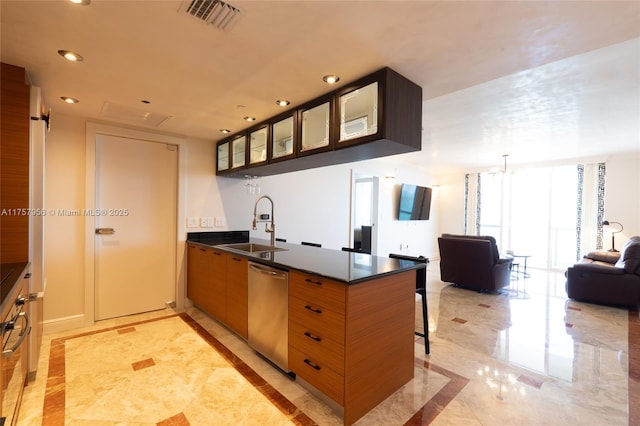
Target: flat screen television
point(415, 202)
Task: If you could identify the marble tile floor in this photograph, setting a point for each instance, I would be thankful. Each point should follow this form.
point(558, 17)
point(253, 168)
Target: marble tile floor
point(528, 356)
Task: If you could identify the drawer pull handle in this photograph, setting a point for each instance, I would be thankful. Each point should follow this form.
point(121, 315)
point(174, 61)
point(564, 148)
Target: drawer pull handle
point(314, 310)
point(217, 253)
point(313, 282)
point(203, 249)
point(236, 259)
point(312, 337)
point(312, 364)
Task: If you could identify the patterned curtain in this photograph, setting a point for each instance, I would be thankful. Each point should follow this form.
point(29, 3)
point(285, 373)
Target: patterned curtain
point(591, 183)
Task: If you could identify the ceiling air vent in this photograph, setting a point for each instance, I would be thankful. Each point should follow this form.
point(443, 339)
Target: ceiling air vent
point(217, 13)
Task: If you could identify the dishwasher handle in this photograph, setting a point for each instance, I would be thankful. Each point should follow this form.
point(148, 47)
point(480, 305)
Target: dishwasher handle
point(268, 271)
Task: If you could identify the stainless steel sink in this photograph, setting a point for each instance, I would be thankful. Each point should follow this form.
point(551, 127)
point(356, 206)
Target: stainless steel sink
point(252, 247)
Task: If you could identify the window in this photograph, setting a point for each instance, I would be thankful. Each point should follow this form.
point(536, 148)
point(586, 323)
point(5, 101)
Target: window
point(533, 212)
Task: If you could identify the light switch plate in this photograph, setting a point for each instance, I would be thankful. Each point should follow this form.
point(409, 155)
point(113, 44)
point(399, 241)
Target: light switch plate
point(219, 222)
point(203, 222)
point(192, 222)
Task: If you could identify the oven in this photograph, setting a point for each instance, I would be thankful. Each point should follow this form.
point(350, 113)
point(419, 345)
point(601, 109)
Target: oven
point(15, 327)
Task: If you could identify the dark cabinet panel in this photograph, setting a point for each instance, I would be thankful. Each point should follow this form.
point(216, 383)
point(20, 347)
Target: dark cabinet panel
point(375, 116)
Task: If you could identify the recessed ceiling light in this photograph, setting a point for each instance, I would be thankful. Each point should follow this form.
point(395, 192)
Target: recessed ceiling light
point(69, 100)
point(70, 56)
point(283, 102)
point(225, 131)
point(82, 2)
point(331, 78)
point(249, 119)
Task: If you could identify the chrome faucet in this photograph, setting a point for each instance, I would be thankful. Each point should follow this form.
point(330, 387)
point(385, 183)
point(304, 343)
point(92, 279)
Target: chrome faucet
point(272, 230)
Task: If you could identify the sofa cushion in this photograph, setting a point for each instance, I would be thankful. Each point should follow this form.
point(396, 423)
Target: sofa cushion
point(630, 256)
point(494, 245)
point(602, 256)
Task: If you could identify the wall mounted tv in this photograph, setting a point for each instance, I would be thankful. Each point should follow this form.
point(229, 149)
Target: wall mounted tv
point(415, 202)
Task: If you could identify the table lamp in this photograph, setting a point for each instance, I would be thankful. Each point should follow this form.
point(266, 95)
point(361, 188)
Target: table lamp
point(613, 234)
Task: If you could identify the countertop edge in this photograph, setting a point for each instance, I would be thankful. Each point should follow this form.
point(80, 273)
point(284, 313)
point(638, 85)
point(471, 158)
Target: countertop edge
point(13, 280)
point(267, 262)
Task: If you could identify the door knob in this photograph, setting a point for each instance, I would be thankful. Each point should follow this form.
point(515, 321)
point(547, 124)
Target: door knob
point(105, 231)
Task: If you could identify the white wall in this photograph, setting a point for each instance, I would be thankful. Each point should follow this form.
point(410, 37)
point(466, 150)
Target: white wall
point(622, 196)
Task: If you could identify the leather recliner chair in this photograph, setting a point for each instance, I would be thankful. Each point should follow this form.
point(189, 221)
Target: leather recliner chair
point(473, 262)
point(607, 278)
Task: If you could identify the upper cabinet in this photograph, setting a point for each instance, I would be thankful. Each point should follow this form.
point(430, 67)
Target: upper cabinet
point(223, 156)
point(375, 116)
point(238, 152)
point(258, 145)
point(358, 112)
point(283, 137)
point(315, 126)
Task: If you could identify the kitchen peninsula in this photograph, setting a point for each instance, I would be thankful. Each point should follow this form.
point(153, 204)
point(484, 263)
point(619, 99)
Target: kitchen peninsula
point(351, 316)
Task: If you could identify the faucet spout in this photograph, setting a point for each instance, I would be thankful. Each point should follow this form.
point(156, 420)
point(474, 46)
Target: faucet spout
point(272, 229)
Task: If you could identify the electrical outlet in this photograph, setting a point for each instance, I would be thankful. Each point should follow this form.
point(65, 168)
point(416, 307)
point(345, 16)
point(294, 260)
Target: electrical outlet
point(203, 222)
point(219, 222)
point(192, 222)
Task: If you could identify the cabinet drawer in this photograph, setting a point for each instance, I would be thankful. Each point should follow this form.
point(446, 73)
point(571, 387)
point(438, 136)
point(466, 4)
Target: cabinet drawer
point(325, 350)
point(318, 318)
point(317, 374)
point(314, 288)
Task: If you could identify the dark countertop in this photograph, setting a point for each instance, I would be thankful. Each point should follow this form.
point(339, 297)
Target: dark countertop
point(10, 274)
point(338, 265)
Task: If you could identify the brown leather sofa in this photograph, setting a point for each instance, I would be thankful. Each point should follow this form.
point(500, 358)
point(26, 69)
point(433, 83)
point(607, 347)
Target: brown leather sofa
point(607, 278)
point(473, 262)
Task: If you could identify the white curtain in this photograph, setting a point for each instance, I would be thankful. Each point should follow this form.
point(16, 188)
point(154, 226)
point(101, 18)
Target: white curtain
point(554, 214)
point(471, 204)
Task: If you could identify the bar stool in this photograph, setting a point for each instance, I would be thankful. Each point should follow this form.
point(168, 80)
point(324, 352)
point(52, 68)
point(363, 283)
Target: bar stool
point(421, 289)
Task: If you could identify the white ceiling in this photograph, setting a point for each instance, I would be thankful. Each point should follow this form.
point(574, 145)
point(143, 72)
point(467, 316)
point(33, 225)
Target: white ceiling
point(537, 80)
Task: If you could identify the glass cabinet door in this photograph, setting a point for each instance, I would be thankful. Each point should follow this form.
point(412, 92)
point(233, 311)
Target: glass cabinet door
point(238, 152)
point(223, 156)
point(315, 127)
point(282, 138)
point(358, 111)
point(258, 146)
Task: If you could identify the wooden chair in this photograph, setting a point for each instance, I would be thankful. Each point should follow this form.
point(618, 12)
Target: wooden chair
point(421, 289)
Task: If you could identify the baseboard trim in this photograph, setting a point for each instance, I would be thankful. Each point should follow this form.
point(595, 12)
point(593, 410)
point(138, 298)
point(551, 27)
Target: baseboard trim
point(58, 325)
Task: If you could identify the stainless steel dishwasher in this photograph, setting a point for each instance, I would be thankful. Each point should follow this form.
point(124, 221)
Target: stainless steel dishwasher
point(269, 313)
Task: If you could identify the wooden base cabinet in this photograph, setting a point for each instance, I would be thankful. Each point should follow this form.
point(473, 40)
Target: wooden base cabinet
point(353, 342)
point(217, 283)
point(237, 294)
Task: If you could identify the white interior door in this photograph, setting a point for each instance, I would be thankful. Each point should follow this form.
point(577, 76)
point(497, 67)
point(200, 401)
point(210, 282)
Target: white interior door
point(136, 198)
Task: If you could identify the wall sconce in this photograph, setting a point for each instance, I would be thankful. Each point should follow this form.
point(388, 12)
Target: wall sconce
point(613, 234)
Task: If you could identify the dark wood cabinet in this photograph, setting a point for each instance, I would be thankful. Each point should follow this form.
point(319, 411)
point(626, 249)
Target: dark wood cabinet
point(258, 145)
point(375, 116)
point(222, 156)
point(315, 126)
point(14, 165)
point(283, 137)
